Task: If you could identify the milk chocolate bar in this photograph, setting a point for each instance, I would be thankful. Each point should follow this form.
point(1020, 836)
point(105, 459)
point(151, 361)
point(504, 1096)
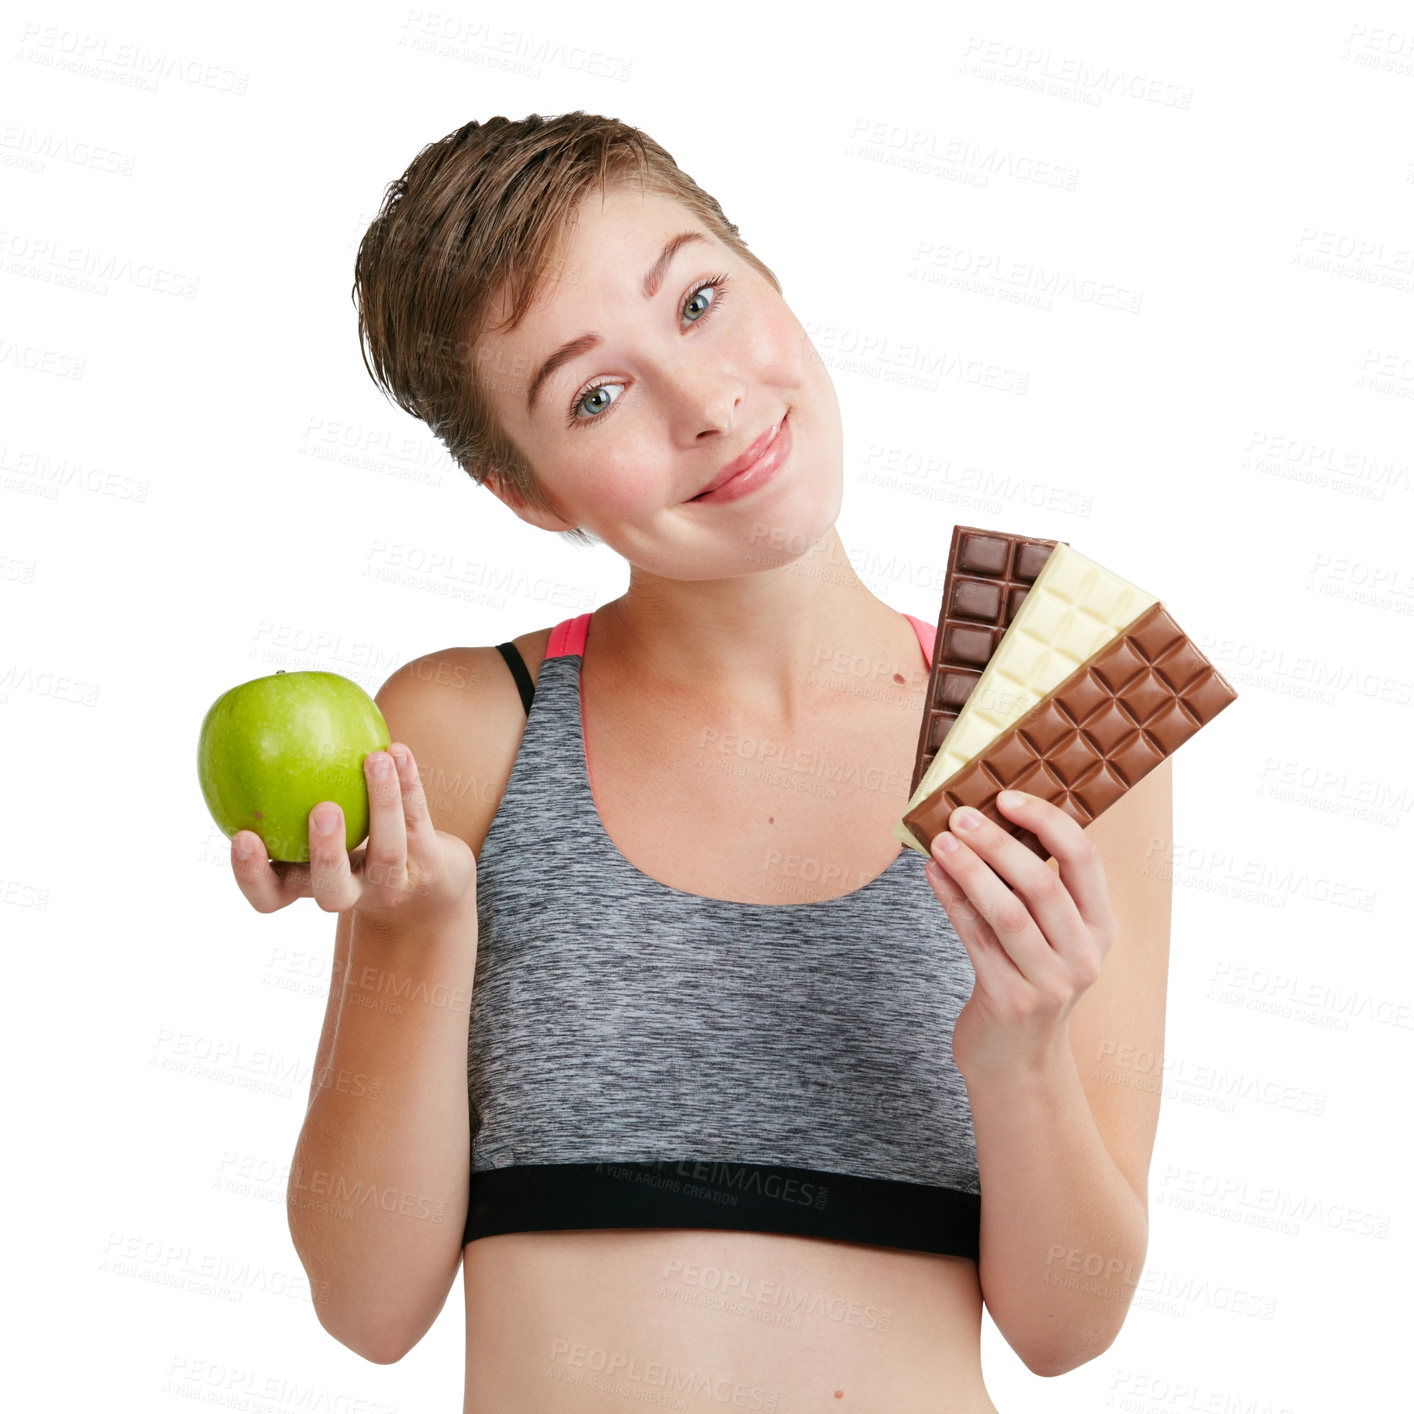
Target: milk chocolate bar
point(989, 572)
point(1089, 740)
point(1074, 608)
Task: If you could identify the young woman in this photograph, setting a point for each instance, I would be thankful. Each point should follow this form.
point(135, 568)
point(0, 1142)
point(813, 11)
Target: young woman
point(640, 1013)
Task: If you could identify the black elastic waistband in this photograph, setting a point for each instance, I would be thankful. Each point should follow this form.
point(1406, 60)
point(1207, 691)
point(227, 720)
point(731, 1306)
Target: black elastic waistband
point(800, 1202)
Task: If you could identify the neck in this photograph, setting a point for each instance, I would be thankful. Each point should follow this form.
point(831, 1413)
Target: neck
point(767, 644)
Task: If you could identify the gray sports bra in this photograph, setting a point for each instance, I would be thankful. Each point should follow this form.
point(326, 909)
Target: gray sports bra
point(643, 1057)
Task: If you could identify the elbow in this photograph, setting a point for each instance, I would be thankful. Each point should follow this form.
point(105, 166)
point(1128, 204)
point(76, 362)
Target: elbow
point(375, 1335)
point(1049, 1344)
point(1061, 1360)
point(377, 1348)
point(376, 1309)
point(1051, 1364)
point(381, 1343)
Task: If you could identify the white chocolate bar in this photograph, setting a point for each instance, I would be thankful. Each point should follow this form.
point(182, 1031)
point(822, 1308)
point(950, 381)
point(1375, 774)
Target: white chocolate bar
point(1073, 610)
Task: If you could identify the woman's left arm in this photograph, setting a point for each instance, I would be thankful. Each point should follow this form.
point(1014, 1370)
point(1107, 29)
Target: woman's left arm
point(1061, 1047)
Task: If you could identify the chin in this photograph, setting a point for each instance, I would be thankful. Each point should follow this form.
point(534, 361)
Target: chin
point(795, 528)
point(800, 522)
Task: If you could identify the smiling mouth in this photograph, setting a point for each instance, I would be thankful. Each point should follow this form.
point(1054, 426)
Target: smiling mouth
point(765, 451)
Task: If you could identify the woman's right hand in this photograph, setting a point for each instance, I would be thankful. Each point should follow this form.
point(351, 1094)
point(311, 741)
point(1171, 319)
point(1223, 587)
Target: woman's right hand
point(406, 873)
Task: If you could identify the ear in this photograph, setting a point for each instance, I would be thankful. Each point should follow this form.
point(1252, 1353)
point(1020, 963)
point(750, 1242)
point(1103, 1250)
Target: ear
point(531, 515)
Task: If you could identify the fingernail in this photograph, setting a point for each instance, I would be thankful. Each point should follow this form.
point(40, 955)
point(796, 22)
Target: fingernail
point(325, 818)
point(966, 819)
point(244, 848)
point(1009, 799)
point(379, 767)
point(945, 842)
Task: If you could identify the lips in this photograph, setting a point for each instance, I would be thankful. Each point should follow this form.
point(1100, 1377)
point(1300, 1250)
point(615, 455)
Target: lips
point(751, 454)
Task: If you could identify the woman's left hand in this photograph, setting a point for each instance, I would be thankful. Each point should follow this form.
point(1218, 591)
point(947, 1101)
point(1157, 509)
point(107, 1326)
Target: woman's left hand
point(1035, 946)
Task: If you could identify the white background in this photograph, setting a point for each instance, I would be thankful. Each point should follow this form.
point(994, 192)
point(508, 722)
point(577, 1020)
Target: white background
point(1167, 318)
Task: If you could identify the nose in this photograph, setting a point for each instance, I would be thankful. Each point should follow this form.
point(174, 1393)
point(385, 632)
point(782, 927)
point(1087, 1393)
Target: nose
point(704, 397)
point(719, 414)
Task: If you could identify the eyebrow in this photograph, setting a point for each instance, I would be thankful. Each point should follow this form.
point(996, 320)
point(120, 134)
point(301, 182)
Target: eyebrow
point(652, 281)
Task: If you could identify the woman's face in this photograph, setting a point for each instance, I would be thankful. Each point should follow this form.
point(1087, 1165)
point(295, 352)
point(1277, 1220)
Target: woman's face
point(625, 433)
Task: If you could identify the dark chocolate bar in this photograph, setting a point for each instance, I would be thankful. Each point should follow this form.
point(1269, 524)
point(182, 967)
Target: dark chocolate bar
point(989, 572)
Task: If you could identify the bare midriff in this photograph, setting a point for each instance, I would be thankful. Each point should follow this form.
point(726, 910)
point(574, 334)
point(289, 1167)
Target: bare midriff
point(692, 1319)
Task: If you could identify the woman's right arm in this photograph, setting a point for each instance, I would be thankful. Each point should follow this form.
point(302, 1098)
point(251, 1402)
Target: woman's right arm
point(377, 1197)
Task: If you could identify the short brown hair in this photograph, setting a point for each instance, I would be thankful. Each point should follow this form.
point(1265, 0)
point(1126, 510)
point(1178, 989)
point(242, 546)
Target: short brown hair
point(487, 208)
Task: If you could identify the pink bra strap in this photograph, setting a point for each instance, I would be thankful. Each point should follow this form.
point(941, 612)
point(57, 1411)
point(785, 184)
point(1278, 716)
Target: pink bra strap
point(568, 636)
point(927, 636)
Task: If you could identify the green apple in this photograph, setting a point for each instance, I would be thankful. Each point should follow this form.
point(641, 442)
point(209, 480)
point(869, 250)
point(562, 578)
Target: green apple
point(273, 748)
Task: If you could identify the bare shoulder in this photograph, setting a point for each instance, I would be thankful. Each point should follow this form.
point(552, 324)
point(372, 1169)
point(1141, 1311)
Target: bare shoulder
point(459, 712)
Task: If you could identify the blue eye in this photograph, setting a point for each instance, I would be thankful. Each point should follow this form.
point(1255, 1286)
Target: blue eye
point(703, 313)
point(594, 392)
point(697, 295)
